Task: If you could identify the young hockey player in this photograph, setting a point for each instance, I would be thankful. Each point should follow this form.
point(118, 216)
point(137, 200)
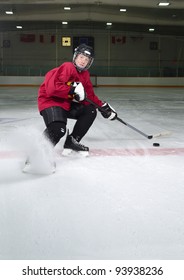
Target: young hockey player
point(62, 96)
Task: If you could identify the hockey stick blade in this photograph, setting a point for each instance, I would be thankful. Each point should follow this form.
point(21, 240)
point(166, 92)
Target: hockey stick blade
point(163, 133)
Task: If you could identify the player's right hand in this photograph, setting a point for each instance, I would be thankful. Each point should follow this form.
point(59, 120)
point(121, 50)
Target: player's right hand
point(78, 91)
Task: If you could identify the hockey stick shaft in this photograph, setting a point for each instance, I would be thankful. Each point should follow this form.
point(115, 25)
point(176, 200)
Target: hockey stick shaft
point(134, 128)
point(120, 120)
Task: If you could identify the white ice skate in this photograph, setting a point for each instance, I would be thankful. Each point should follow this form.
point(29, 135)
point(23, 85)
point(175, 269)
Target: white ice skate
point(73, 147)
point(40, 159)
point(38, 167)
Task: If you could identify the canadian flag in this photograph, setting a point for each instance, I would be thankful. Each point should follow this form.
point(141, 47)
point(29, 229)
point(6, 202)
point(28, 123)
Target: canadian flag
point(27, 38)
point(118, 40)
point(47, 38)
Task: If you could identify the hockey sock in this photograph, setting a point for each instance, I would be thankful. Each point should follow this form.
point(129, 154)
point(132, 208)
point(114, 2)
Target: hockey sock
point(84, 122)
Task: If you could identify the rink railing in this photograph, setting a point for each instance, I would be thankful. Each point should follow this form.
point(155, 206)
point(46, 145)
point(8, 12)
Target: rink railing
point(112, 71)
point(100, 81)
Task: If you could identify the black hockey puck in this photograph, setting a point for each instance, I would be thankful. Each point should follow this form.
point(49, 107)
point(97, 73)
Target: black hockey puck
point(156, 144)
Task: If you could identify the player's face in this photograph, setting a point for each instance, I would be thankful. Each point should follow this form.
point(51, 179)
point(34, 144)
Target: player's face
point(82, 60)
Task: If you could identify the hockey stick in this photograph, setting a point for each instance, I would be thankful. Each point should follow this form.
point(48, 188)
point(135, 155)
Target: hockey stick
point(127, 124)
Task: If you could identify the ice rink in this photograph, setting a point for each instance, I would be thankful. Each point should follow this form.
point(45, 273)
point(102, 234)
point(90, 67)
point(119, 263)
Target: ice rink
point(124, 201)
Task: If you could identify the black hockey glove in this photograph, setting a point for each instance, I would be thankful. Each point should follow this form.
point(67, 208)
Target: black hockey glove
point(77, 91)
point(108, 112)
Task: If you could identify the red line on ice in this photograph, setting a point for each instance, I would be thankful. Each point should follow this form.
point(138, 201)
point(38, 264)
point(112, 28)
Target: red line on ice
point(157, 151)
point(137, 152)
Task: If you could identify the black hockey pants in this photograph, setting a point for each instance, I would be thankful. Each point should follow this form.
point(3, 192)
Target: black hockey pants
point(55, 119)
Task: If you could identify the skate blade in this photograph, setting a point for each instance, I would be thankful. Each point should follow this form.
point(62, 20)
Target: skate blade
point(70, 152)
point(66, 152)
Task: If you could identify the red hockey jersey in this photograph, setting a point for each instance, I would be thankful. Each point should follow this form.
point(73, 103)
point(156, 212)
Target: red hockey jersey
point(55, 89)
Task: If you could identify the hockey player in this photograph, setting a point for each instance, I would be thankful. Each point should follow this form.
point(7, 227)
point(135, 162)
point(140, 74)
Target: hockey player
point(62, 96)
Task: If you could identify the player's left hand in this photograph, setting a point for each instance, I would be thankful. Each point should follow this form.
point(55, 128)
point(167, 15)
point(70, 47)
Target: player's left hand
point(108, 112)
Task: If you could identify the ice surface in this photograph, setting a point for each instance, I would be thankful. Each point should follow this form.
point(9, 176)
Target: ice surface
point(124, 201)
